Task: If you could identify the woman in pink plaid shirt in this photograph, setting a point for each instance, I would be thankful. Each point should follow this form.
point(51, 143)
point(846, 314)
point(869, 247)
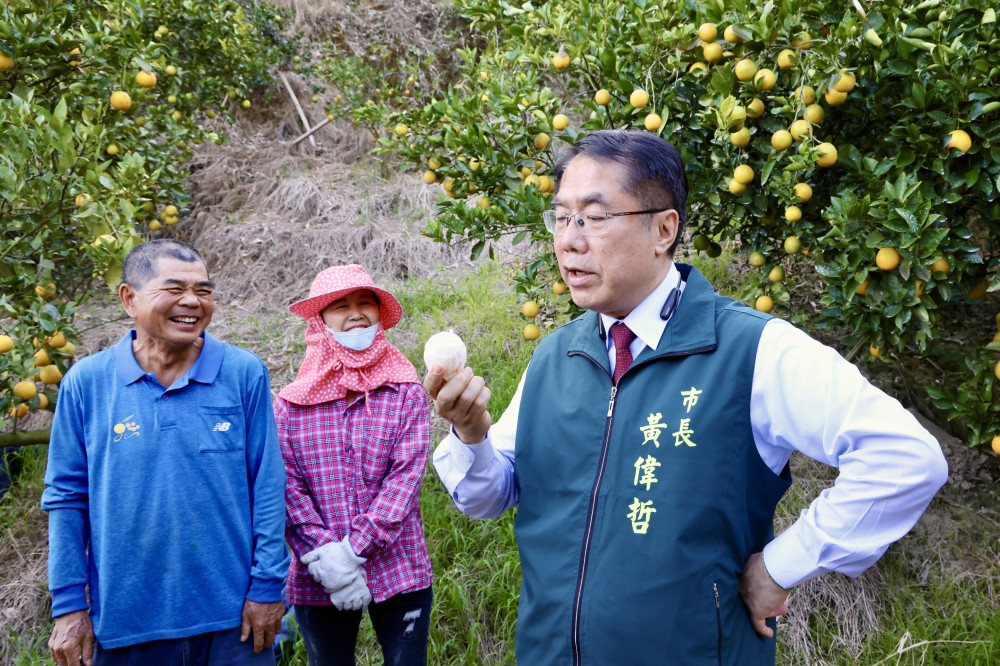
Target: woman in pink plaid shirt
point(355, 434)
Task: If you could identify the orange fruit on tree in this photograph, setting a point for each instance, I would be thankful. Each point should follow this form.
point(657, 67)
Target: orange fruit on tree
point(46, 290)
point(541, 140)
point(765, 79)
point(43, 401)
point(713, 52)
point(874, 351)
point(430, 177)
point(764, 303)
point(978, 291)
point(757, 259)
point(996, 440)
point(652, 122)
point(50, 374)
point(707, 32)
point(639, 98)
point(846, 82)
point(730, 35)
point(803, 191)
point(531, 332)
point(19, 412)
point(25, 390)
point(120, 101)
point(745, 69)
point(959, 139)
point(814, 113)
point(736, 187)
point(6, 62)
point(792, 245)
point(800, 129)
point(805, 93)
point(793, 213)
point(787, 59)
point(530, 309)
point(560, 122)
point(776, 274)
point(41, 359)
point(888, 259)
point(828, 154)
point(755, 109)
point(862, 288)
point(560, 60)
point(781, 140)
point(145, 79)
point(743, 174)
point(602, 97)
point(740, 138)
point(559, 288)
point(6, 344)
point(941, 266)
point(834, 97)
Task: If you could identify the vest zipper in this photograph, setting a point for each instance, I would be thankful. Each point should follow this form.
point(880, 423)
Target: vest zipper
point(718, 621)
point(589, 528)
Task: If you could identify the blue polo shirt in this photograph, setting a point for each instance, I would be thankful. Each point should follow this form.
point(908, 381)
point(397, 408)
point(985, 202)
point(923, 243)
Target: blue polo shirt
point(166, 504)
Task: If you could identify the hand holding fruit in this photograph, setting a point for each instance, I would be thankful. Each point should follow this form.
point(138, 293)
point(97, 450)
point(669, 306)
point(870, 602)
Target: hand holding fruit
point(459, 396)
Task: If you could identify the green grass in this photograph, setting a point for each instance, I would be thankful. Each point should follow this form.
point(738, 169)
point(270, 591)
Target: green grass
point(927, 613)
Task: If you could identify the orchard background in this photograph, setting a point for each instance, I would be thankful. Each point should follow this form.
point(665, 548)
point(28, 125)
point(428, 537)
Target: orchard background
point(843, 163)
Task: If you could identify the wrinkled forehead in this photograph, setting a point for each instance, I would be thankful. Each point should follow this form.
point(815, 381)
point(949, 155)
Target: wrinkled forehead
point(591, 182)
point(169, 270)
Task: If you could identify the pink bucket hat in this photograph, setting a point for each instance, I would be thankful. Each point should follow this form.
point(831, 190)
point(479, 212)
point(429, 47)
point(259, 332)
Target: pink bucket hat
point(338, 281)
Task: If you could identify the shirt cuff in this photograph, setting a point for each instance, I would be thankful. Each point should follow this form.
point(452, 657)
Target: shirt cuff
point(266, 591)
point(789, 560)
point(69, 599)
point(453, 459)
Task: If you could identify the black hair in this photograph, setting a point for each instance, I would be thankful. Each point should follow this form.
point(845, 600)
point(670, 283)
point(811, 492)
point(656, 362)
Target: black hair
point(655, 177)
point(140, 264)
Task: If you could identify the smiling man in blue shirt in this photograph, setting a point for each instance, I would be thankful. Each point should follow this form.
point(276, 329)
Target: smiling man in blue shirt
point(165, 486)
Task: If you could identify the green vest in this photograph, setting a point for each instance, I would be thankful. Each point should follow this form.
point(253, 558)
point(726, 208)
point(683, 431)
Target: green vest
point(639, 505)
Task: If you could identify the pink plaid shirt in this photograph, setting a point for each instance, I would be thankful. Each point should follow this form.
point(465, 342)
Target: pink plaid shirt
point(355, 467)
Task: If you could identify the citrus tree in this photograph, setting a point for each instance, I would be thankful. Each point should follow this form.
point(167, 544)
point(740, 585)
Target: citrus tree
point(101, 104)
point(857, 143)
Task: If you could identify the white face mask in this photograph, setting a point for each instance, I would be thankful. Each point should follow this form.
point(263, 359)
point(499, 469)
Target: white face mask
point(358, 339)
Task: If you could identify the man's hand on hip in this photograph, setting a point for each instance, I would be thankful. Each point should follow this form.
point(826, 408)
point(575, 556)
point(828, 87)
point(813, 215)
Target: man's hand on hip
point(461, 400)
point(72, 640)
point(264, 621)
point(763, 598)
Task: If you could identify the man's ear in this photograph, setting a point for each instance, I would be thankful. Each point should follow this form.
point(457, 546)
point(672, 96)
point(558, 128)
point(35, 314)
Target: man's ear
point(665, 225)
point(126, 294)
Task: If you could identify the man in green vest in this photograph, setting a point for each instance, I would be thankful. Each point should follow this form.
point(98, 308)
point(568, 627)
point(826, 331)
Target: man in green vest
point(648, 442)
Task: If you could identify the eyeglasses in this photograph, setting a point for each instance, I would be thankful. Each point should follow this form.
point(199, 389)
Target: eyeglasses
point(588, 222)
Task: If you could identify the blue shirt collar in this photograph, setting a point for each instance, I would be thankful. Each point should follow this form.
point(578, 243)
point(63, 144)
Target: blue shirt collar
point(205, 368)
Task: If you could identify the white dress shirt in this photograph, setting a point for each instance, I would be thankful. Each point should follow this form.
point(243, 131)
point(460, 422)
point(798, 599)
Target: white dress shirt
point(804, 397)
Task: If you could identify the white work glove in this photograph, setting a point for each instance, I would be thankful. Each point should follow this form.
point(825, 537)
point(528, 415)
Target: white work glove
point(354, 596)
point(334, 565)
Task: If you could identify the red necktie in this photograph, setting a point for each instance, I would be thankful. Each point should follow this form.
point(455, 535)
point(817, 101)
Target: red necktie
point(623, 337)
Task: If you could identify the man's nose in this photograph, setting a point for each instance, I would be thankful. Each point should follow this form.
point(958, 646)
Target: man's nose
point(571, 239)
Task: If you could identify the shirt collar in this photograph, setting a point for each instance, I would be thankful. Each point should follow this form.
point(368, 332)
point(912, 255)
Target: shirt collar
point(644, 320)
point(205, 369)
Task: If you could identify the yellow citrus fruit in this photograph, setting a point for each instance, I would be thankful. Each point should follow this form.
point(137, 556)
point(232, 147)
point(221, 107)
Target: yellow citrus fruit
point(862, 288)
point(559, 288)
point(745, 69)
point(560, 122)
point(736, 187)
point(787, 59)
point(474, 164)
point(959, 139)
point(177, 115)
point(43, 401)
point(941, 266)
point(803, 41)
point(800, 129)
point(781, 140)
point(560, 60)
point(740, 138)
point(170, 70)
point(104, 239)
point(449, 184)
point(776, 274)
point(834, 97)
point(171, 99)
point(155, 225)
point(803, 191)
point(712, 52)
point(120, 101)
point(169, 210)
point(979, 291)
point(483, 201)
point(707, 32)
point(41, 358)
point(530, 309)
point(111, 150)
point(25, 390)
point(433, 164)
point(245, 104)
point(170, 219)
point(602, 97)
point(737, 116)
point(50, 374)
point(996, 440)
point(757, 259)
point(652, 122)
point(145, 79)
point(531, 332)
point(6, 62)
point(765, 79)
point(6, 344)
point(764, 303)
point(919, 288)
point(846, 82)
point(639, 98)
point(546, 184)
point(430, 177)
point(483, 76)
point(82, 199)
point(888, 259)
point(19, 412)
point(805, 93)
point(730, 35)
point(743, 174)
point(793, 213)
point(541, 140)
point(46, 291)
point(792, 245)
point(874, 351)
point(814, 113)
point(697, 66)
point(755, 109)
point(828, 154)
